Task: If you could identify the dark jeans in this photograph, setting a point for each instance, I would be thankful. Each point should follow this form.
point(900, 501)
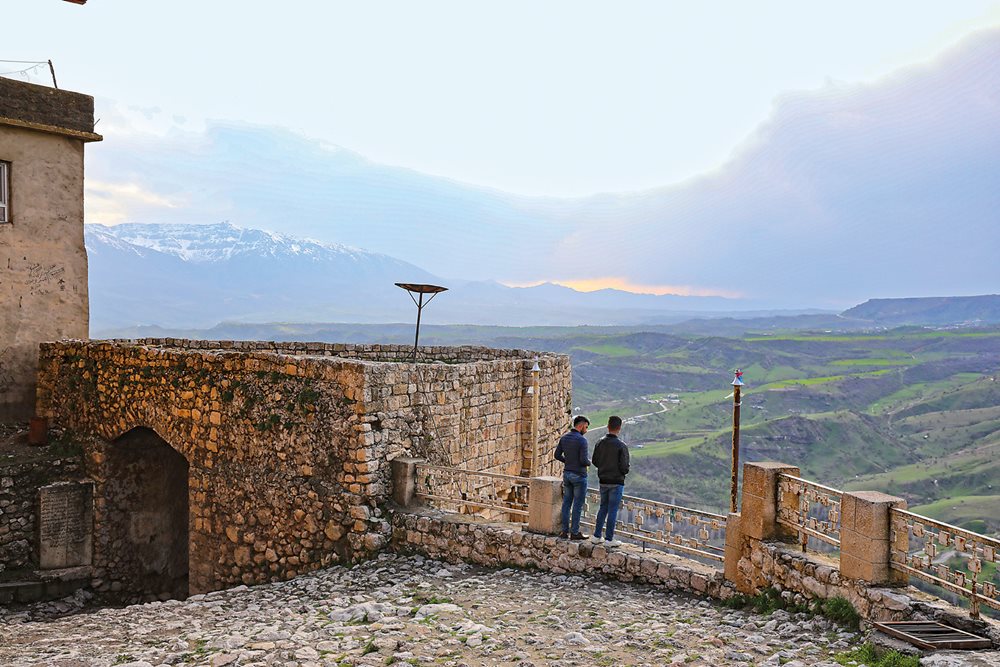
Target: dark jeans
point(611, 498)
point(574, 493)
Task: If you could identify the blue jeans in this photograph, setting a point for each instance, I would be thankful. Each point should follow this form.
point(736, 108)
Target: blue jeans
point(574, 493)
point(611, 498)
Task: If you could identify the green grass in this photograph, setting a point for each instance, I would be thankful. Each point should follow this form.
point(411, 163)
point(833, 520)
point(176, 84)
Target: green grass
point(679, 446)
point(809, 382)
point(862, 338)
point(959, 510)
point(920, 391)
point(873, 362)
point(608, 350)
point(868, 655)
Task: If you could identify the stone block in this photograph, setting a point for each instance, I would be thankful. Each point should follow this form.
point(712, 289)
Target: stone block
point(65, 525)
point(734, 550)
point(867, 512)
point(852, 567)
point(545, 505)
point(866, 536)
point(404, 480)
point(760, 499)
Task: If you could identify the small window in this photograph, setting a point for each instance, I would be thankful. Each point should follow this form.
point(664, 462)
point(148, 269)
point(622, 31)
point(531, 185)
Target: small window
point(4, 192)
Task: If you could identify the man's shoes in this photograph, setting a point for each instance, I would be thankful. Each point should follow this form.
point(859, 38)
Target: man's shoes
point(596, 540)
point(613, 543)
point(577, 536)
point(564, 535)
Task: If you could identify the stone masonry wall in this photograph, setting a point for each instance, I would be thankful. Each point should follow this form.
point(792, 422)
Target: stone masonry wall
point(466, 406)
point(455, 537)
point(267, 440)
point(19, 484)
point(288, 455)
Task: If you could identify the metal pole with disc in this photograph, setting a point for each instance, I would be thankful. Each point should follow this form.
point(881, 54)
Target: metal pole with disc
point(421, 289)
point(737, 385)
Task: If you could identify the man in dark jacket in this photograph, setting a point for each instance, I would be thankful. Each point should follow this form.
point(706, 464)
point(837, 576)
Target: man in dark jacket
point(572, 451)
point(611, 460)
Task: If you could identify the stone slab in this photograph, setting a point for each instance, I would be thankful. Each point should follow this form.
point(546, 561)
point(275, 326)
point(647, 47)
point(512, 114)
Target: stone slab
point(65, 525)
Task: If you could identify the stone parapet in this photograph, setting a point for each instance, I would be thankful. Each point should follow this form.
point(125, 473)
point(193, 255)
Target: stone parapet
point(455, 538)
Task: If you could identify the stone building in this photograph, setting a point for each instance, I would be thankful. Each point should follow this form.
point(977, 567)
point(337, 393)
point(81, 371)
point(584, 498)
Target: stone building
point(43, 262)
point(217, 463)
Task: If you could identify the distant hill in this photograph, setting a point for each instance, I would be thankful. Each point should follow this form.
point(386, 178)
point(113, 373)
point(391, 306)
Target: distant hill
point(929, 311)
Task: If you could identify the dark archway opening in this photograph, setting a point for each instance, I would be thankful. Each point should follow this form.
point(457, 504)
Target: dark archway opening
point(146, 490)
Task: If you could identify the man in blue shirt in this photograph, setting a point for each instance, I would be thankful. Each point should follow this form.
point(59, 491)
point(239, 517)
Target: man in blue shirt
point(572, 451)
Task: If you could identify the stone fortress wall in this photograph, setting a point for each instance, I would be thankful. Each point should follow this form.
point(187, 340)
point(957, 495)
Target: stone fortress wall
point(43, 263)
point(283, 448)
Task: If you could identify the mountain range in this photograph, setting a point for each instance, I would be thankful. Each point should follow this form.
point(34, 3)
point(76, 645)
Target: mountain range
point(179, 276)
point(198, 275)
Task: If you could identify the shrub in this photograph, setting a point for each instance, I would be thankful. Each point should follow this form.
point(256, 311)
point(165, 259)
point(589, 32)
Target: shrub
point(840, 610)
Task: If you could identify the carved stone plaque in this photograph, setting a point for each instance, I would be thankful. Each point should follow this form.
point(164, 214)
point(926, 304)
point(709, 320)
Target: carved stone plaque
point(65, 524)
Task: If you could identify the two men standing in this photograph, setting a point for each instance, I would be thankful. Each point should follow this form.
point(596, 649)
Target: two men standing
point(612, 461)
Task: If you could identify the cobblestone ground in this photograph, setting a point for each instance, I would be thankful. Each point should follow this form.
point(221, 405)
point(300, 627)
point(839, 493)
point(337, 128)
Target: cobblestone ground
point(398, 610)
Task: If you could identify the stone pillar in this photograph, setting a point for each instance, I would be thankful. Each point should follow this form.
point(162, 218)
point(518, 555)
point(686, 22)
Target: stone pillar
point(545, 505)
point(734, 552)
point(404, 480)
point(866, 537)
point(759, 509)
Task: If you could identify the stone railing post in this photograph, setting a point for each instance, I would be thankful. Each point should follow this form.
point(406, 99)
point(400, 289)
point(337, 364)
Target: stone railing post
point(545, 505)
point(759, 509)
point(734, 551)
point(866, 537)
point(404, 480)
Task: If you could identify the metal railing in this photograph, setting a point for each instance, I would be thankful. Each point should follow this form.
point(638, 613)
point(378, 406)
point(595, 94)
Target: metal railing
point(932, 545)
point(472, 492)
point(810, 509)
point(664, 526)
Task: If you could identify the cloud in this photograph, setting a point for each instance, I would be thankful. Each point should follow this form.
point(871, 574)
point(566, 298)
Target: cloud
point(114, 203)
point(850, 192)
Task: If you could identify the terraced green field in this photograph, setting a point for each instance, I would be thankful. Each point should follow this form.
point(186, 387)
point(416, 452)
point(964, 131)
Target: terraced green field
point(910, 412)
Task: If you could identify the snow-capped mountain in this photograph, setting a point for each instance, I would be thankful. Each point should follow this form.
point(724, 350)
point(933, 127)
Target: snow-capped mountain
point(224, 241)
point(199, 275)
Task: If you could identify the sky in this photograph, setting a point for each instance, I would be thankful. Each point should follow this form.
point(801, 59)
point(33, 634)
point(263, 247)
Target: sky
point(557, 99)
point(510, 138)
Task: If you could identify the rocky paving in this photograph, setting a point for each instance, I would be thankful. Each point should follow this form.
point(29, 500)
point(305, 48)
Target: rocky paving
point(411, 610)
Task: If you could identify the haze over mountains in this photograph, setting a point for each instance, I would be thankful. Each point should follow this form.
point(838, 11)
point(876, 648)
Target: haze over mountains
point(195, 276)
point(847, 193)
point(198, 275)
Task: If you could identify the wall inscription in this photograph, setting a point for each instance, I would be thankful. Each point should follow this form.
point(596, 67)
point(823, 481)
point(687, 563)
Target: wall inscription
point(65, 524)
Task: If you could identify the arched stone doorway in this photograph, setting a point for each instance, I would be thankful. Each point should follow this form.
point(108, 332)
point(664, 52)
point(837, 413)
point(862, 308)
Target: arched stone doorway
point(146, 496)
